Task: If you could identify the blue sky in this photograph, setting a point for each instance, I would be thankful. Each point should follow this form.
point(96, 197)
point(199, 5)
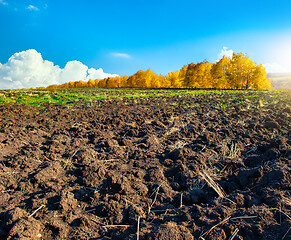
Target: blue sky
point(122, 37)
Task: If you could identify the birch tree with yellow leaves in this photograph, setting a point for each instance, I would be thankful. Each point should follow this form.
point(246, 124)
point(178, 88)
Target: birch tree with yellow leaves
point(240, 72)
point(219, 73)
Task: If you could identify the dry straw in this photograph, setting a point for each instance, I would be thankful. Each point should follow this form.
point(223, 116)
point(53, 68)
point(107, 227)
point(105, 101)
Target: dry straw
point(216, 187)
point(234, 234)
point(137, 231)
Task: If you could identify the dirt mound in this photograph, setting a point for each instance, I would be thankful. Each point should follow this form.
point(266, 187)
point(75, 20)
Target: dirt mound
point(212, 166)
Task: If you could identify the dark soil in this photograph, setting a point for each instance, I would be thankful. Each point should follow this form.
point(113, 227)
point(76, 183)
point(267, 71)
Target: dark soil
point(93, 171)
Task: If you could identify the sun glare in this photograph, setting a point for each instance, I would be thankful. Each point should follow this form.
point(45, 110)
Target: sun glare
point(282, 53)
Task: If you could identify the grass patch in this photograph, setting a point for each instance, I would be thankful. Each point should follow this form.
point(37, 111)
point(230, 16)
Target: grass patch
point(91, 95)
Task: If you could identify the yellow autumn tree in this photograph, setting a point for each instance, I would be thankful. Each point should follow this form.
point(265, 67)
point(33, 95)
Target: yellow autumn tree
point(182, 75)
point(198, 75)
point(123, 81)
point(207, 78)
point(96, 82)
point(240, 71)
point(219, 72)
point(164, 81)
point(112, 82)
point(101, 83)
point(144, 79)
point(188, 80)
point(91, 83)
point(260, 79)
point(173, 79)
point(154, 79)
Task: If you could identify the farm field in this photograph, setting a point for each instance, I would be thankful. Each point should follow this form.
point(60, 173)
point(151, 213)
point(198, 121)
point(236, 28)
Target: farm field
point(280, 81)
point(145, 164)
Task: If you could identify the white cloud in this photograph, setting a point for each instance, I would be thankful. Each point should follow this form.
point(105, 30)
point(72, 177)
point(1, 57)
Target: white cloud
point(98, 74)
point(32, 8)
point(3, 2)
point(121, 55)
point(28, 69)
point(274, 68)
point(225, 52)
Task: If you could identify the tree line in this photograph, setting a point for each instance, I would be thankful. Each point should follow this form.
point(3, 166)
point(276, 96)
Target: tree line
point(238, 72)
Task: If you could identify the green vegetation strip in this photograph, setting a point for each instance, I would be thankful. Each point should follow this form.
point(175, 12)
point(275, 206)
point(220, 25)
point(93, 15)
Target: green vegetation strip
point(89, 95)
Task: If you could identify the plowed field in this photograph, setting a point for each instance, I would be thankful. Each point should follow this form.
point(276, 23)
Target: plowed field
point(191, 166)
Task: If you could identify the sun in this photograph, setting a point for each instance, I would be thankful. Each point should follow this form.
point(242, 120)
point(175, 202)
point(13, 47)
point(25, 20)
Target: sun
point(281, 52)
